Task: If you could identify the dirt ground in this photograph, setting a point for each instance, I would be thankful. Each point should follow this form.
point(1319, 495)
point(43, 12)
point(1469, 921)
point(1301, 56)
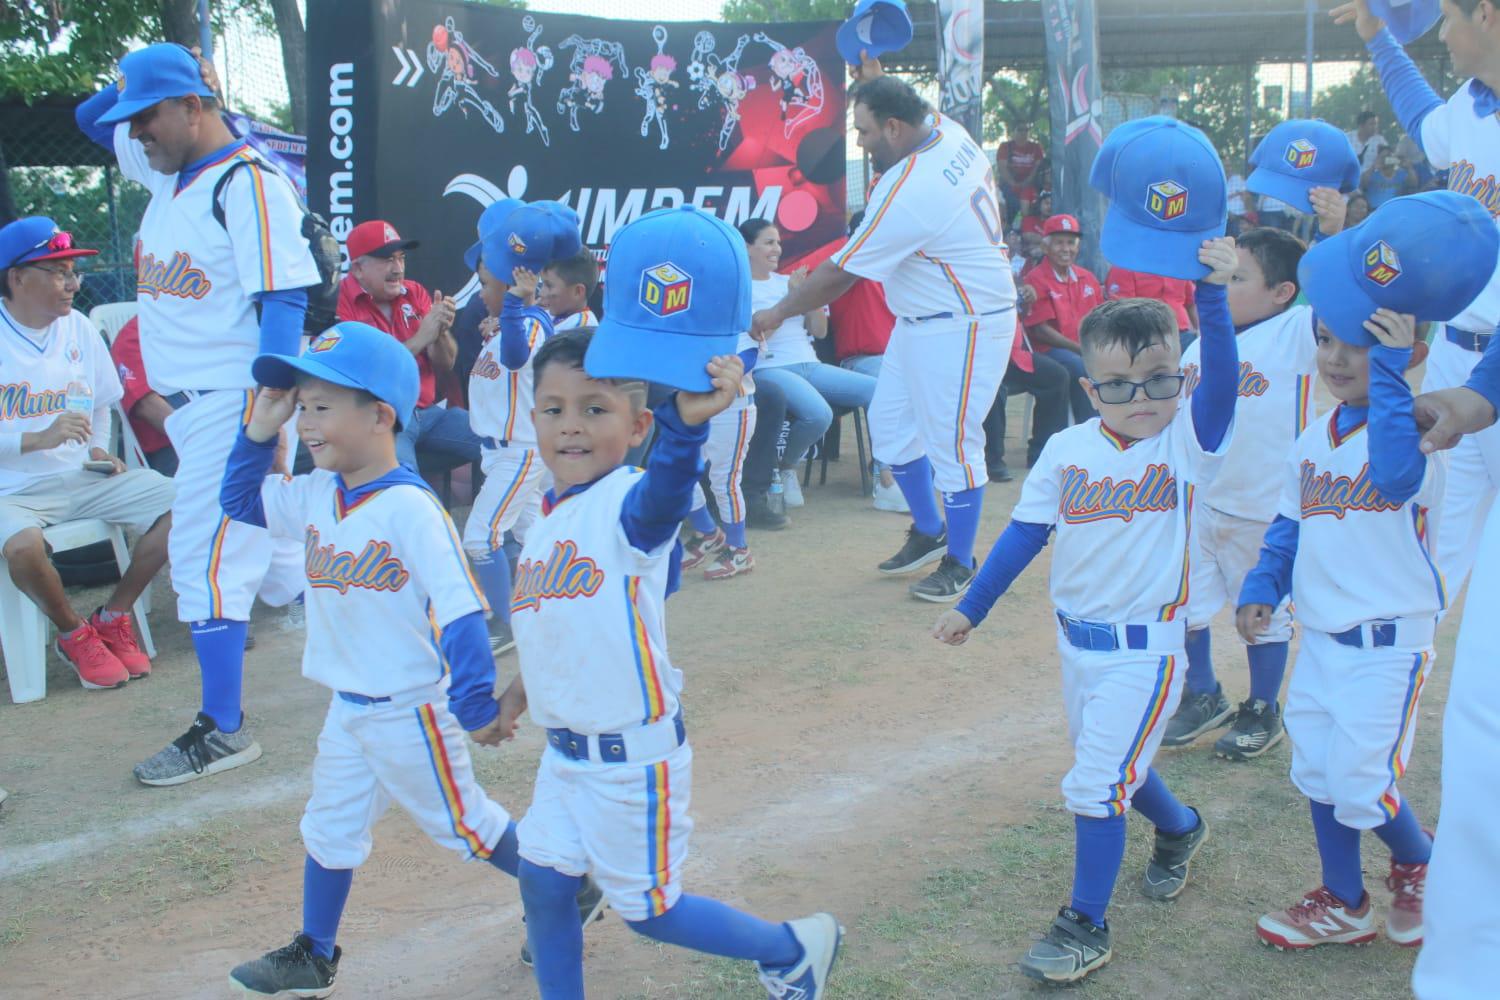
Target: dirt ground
point(844, 761)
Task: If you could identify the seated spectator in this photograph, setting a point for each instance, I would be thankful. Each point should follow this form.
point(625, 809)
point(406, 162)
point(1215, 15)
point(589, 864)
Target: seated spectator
point(1357, 210)
point(1033, 252)
point(1019, 165)
point(1041, 211)
point(376, 291)
point(1065, 293)
point(1241, 204)
point(1178, 294)
point(55, 464)
point(146, 410)
point(787, 358)
point(1047, 381)
point(1386, 180)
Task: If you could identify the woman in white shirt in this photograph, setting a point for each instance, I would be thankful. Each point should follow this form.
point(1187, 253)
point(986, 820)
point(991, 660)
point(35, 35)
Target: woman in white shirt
point(787, 358)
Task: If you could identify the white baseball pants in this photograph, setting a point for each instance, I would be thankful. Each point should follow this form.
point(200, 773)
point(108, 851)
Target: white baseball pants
point(724, 454)
point(1473, 472)
point(1225, 550)
point(511, 498)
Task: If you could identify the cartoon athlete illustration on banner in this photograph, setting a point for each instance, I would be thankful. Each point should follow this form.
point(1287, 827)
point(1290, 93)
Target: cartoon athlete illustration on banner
point(527, 64)
point(457, 59)
point(716, 78)
point(797, 80)
point(652, 84)
point(592, 66)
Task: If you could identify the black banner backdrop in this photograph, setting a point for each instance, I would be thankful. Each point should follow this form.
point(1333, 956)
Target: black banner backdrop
point(1073, 90)
point(423, 113)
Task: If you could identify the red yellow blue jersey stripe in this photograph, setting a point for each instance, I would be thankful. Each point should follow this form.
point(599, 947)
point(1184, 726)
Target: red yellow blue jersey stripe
point(1169, 611)
point(458, 549)
point(442, 771)
point(971, 342)
point(872, 221)
point(1390, 802)
point(658, 836)
point(1420, 521)
point(1120, 441)
point(1335, 439)
point(1155, 709)
point(653, 696)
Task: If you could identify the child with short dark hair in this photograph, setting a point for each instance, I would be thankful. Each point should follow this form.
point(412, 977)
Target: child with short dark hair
point(566, 288)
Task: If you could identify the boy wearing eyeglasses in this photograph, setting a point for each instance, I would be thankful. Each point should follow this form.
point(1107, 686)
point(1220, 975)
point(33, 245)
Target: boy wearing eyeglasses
point(1118, 491)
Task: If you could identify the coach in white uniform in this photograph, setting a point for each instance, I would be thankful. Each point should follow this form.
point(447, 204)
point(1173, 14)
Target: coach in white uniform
point(199, 285)
point(932, 236)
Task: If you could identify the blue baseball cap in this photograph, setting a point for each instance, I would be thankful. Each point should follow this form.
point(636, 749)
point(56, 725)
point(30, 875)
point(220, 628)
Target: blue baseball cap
point(36, 238)
point(1299, 155)
point(1402, 257)
point(877, 27)
point(530, 236)
point(493, 214)
point(355, 355)
point(1408, 19)
point(676, 295)
point(1166, 191)
point(154, 74)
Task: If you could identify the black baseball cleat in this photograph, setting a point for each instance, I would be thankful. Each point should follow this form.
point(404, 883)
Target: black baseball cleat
point(918, 551)
point(758, 514)
point(1167, 871)
point(1257, 728)
point(293, 971)
point(502, 640)
point(1199, 712)
point(591, 907)
point(945, 584)
point(1073, 947)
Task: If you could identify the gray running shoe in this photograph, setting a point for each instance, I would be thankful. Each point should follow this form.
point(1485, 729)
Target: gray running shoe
point(1167, 871)
point(1197, 714)
point(200, 751)
point(1073, 948)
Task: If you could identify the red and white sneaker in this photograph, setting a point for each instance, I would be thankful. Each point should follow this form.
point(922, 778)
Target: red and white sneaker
point(730, 562)
point(1319, 918)
point(697, 549)
point(119, 636)
point(97, 668)
point(1403, 922)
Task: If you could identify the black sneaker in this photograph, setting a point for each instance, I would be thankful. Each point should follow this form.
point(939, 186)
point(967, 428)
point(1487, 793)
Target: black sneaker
point(501, 639)
point(591, 907)
point(758, 514)
point(1167, 871)
point(293, 971)
point(1074, 947)
point(1197, 714)
point(1000, 473)
point(918, 551)
point(1257, 728)
point(945, 584)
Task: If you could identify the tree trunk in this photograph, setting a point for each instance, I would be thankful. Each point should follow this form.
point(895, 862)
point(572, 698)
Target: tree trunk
point(293, 58)
point(179, 21)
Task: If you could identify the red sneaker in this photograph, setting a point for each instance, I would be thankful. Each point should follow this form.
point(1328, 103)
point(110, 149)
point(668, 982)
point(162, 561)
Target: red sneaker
point(119, 637)
point(1403, 921)
point(97, 668)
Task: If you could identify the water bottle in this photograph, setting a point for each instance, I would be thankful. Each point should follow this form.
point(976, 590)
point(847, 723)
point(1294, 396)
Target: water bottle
point(80, 398)
point(776, 497)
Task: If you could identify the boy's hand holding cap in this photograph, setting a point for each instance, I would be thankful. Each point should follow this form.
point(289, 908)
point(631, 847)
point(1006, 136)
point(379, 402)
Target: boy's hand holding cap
point(353, 355)
point(529, 236)
point(1297, 156)
point(875, 28)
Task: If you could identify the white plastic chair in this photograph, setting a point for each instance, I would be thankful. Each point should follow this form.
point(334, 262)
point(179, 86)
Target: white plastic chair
point(23, 626)
point(110, 317)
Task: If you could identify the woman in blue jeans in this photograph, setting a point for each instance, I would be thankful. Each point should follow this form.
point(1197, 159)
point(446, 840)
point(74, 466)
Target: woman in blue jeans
point(788, 361)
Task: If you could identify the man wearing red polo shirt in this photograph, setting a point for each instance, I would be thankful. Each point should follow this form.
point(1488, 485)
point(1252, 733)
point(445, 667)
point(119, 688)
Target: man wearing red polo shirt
point(1065, 293)
point(1018, 164)
point(1177, 293)
point(376, 291)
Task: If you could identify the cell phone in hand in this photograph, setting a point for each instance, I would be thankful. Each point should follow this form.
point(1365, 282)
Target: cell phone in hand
point(99, 465)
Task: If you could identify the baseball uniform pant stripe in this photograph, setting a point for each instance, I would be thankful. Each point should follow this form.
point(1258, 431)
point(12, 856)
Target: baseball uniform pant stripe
point(963, 404)
point(442, 770)
point(216, 547)
point(1390, 802)
point(736, 469)
point(1304, 402)
point(497, 534)
point(1184, 584)
point(658, 835)
point(645, 660)
point(1419, 522)
point(458, 549)
point(1154, 712)
point(873, 221)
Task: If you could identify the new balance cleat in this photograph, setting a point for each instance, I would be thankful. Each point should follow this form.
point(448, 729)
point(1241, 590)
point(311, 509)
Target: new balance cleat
point(1257, 728)
point(1318, 918)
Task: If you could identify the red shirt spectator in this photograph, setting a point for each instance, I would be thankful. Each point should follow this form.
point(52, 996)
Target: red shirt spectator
point(126, 353)
point(1019, 158)
point(1065, 293)
point(1179, 294)
point(860, 319)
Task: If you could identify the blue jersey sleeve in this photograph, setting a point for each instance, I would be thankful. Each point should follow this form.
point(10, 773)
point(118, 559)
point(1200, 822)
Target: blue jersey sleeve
point(1213, 400)
point(239, 493)
point(471, 666)
point(1408, 91)
point(1271, 579)
point(281, 319)
point(1397, 465)
point(660, 499)
point(88, 113)
point(1017, 546)
point(520, 326)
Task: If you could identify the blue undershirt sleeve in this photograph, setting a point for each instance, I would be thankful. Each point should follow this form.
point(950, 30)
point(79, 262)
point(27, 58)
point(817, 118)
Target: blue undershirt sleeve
point(282, 313)
point(515, 331)
point(1397, 465)
point(1408, 91)
point(87, 116)
point(1271, 579)
point(471, 666)
point(1213, 401)
point(249, 464)
point(1018, 544)
point(660, 499)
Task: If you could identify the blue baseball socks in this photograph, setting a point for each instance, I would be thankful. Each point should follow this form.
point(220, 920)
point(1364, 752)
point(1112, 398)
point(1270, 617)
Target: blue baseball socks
point(915, 480)
point(493, 572)
point(963, 509)
point(1200, 657)
point(702, 521)
point(1267, 668)
point(1155, 801)
point(220, 645)
point(1098, 849)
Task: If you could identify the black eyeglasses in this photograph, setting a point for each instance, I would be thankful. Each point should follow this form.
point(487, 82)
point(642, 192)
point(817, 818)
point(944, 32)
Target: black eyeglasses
point(1156, 387)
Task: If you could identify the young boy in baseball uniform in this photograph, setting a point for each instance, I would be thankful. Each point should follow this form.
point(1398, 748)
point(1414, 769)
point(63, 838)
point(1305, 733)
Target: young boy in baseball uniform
point(566, 288)
point(1118, 491)
point(614, 785)
point(516, 244)
point(1359, 482)
point(395, 629)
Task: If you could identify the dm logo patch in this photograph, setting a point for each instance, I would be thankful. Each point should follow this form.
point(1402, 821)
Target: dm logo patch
point(1301, 154)
point(325, 342)
point(1382, 266)
point(666, 289)
point(1167, 200)
point(517, 245)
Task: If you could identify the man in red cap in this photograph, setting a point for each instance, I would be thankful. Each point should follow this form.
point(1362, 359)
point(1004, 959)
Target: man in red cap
point(376, 291)
point(1065, 293)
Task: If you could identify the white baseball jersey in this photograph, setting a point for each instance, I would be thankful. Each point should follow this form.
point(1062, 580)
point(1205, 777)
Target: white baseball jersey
point(1122, 514)
point(35, 369)
point(500, 398)
point(383, 577)
point(195, 278)
point(1278, 362)
point(1466, 145)
point(932, 234)
point(588, 614)
point(575, 321)
point(1329, 490)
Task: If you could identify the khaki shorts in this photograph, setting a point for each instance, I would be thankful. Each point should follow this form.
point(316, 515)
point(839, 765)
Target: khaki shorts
point(133, 499)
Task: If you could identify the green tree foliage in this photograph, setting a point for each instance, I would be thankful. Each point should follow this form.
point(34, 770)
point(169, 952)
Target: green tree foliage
point(67, 46)
point(1211, 97)
point(1341, 104)
point(1015, 96)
